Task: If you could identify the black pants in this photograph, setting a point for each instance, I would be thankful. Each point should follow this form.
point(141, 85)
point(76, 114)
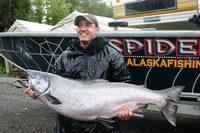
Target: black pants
point(65, 125)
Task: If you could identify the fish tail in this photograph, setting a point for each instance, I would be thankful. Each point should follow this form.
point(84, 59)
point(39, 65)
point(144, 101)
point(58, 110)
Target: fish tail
point(170, 108)
point(169, 111)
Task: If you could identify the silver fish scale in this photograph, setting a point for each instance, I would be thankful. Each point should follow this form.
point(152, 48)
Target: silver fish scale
point(102, 99)
point(89, 100)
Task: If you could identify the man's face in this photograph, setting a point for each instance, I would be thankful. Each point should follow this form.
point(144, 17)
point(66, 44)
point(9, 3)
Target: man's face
point(86, 31)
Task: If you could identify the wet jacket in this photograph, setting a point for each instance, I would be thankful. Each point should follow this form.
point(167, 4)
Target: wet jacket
point(99, 60)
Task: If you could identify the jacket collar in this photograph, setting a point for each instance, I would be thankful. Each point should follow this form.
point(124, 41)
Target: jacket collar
point(96, 45)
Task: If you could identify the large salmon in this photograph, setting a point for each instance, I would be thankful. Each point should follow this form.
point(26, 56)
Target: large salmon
point(98, 99)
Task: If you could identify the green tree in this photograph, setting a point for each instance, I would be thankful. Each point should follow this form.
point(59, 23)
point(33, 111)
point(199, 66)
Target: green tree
point(102, 9)
point(22, 9)
point(73, 5)
point(12, 10)
point(96, 7)
point(50, 11)
point(56, 10)
point(87, 5)
point(47, 11)
point(37, 10)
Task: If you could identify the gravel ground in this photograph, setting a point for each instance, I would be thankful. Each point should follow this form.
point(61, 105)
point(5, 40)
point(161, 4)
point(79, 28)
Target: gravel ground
point(21, 114)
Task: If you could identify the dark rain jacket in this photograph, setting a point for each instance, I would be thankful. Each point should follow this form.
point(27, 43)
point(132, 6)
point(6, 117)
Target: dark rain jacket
point(99, 60)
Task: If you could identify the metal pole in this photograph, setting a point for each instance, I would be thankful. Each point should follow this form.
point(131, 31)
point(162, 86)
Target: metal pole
point(197, 2)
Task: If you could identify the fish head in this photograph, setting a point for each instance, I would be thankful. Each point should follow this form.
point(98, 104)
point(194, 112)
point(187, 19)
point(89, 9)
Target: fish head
point(38, 81)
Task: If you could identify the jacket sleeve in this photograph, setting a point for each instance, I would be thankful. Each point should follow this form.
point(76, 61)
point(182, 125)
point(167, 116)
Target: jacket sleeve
point(118, 67)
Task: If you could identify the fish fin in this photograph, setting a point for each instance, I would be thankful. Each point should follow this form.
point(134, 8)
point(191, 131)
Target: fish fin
point(143, 85)
point(107, 122)
point(95, 81)
point(105, 119)
point(52, 99)
point(101, 80)
point(170, 108)
point(140, 111)
point(169, 111)
point(138, 114)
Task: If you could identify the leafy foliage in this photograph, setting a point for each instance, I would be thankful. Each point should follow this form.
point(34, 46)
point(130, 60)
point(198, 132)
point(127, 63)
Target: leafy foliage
point(47, 11)
point(96, 7)
point(37, 10)
point(2, 66)
point(12, 10)
point(73, 5)
point(56, 10)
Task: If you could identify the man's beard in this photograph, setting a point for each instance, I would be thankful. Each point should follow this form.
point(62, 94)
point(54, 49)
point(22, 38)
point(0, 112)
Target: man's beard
point(85, 42)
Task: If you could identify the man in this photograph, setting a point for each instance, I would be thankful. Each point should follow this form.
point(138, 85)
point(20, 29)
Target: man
point(88, 58)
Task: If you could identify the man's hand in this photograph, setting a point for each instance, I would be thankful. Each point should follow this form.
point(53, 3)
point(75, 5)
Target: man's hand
point(125, 113)
point(30, 92)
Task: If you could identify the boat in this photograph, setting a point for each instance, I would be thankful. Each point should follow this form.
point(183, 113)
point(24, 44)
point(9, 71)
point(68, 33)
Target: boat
point(156, 59)
point(158, 14)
